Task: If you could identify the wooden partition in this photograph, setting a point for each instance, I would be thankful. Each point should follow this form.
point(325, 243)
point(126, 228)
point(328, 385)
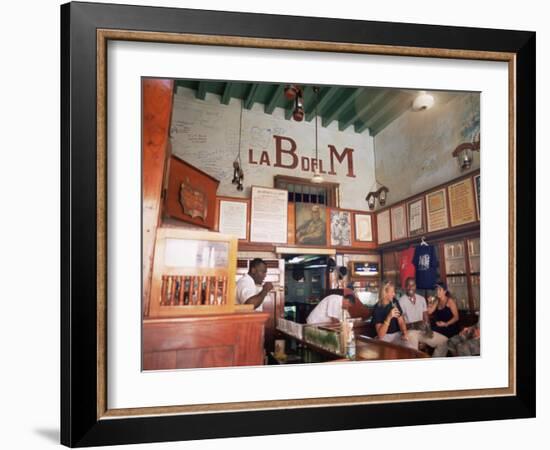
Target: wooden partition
point(193, 273)
point(218, 340)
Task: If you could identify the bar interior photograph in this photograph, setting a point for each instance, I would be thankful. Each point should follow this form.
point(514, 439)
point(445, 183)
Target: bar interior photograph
point(291, 223)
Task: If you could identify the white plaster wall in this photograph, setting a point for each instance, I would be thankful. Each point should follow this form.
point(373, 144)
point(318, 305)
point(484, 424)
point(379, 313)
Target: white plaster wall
point(413, 153)
point(205, 133)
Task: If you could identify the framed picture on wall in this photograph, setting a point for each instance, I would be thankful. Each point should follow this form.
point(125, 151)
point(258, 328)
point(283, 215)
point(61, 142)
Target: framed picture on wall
point(383, 224)
point(417, 225)
point(363, 227)
point(436, 210)
point(234, 217)
point(269, 215)
point(311, 224)
point(399, 222)
point(119, 46)
point(340, 228)
point(462, 204)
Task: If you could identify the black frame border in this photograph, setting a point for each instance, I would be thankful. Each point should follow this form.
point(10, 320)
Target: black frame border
point(79, 424)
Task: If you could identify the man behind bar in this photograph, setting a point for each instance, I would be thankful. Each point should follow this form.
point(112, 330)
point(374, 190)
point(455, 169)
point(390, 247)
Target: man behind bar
point(249, 288)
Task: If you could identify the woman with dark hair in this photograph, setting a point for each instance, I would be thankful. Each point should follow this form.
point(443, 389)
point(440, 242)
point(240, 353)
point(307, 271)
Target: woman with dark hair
point(443, 311)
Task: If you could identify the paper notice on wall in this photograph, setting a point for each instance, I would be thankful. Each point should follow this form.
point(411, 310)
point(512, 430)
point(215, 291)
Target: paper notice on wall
point(437, 210)
point(268, 221)
point(384, 230)
point(233, 218)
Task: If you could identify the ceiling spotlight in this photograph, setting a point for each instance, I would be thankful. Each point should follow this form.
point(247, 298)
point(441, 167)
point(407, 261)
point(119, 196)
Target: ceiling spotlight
point(423, 101)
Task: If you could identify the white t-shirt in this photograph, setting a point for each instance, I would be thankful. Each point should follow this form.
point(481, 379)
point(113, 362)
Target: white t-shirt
point(413, 312)
point(329, 307)
point(246, 288)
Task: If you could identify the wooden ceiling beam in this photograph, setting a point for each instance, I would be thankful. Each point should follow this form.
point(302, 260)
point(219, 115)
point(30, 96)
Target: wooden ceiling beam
point(274, 100)
point(226, 96)
point(201, 90)
point(250, 98)
point(347, 103)
point(324, 99)
point(373, 100)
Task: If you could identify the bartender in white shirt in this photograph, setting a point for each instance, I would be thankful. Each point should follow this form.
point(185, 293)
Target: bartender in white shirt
point(329, 310)
point(249, 288)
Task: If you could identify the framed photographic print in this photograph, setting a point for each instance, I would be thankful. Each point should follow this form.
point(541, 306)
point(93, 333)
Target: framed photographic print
point(363, 227)
point(417, 224)
point(436, 210)
point(309, 96)
point(340, 228)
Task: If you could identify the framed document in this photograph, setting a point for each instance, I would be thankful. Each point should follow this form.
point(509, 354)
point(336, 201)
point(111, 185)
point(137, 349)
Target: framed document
point(398, 222)
point(363, 227)
point(437, 210)
point(416, 217)
point(477, 187)
point(461, 202)
point(269, 215)
point(383, 226)
point(118, 46)
point(233, 217)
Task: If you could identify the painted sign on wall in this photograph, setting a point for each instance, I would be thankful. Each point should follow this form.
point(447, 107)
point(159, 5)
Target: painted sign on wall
point(206, 134)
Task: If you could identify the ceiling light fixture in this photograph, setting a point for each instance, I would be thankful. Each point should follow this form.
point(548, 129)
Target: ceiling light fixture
point(423, 101)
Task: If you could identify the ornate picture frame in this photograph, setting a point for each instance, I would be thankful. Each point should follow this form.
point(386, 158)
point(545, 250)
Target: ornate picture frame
point(87, 30)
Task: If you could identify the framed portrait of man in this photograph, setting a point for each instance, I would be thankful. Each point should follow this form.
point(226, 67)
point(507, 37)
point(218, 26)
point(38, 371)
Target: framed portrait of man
point(311, 224)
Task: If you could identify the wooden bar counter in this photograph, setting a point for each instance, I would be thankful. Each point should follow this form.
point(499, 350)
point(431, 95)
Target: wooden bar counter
point(218, 340)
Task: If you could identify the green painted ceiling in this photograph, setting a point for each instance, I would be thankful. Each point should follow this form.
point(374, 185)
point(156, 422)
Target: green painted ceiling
point(360, 107)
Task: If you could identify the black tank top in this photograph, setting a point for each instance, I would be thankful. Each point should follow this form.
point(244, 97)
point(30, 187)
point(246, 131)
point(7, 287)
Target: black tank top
point(444, 315)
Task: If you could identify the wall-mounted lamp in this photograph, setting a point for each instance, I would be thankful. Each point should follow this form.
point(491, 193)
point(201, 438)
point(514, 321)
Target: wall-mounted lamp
point(465, 153)
point(381, 194)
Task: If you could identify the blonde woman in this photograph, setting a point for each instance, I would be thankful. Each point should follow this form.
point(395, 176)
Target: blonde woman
point(387, 318)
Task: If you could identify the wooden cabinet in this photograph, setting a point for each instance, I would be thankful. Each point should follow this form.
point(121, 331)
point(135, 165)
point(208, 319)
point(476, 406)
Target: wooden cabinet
point(220, 340)
point(461, 264)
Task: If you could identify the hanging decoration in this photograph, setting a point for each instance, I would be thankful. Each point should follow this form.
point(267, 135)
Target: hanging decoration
point(238, 174)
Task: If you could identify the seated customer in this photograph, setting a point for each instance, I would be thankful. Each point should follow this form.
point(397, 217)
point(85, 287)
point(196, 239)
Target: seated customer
point(415, 314)
point(387, 319)
point(329, 310)
point(466, 343)
point(443, 311)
